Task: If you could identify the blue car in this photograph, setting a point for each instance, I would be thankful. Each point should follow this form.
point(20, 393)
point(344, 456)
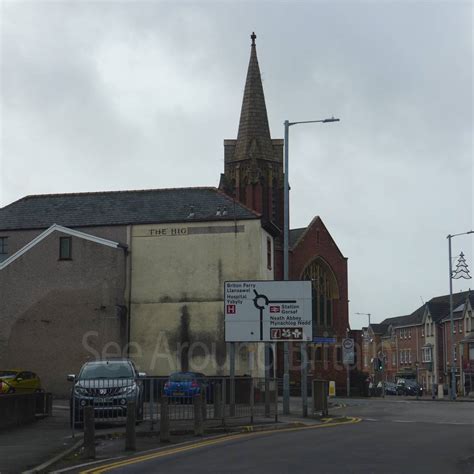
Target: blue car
point(184, 384)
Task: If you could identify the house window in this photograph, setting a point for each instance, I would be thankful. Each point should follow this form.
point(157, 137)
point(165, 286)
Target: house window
point(460, 325)
point(455, 352)
point(3, 245)
point(269, 253)
point(422, 330)
point(65, 248)
point(394, 358)
point(402, 361)
point(409, 333)
point(409, 356)
point(426, 354)
point(401, 337)
point(339, 355)
point(454, 327)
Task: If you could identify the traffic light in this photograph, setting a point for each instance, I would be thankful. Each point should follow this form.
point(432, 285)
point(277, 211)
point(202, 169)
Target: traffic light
point(378, 364)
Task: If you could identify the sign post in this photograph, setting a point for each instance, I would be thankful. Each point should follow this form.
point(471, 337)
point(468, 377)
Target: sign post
point(270, 311)
point(348, 360)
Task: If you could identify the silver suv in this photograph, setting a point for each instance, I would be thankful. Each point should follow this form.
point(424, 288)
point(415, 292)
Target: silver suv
point(108, 386)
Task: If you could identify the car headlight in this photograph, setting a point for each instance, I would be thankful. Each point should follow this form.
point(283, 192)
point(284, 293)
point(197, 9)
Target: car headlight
point(80, 390)
point(128, 389)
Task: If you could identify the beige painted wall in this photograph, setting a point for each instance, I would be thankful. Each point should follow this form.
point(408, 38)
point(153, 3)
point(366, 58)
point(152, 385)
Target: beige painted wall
point(178, 275)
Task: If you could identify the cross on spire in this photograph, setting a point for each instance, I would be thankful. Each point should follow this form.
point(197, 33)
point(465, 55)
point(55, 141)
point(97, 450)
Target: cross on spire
point(253, 36)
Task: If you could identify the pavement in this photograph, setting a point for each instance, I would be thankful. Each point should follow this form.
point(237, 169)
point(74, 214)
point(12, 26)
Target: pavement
point(27, 446)
point(23, 448)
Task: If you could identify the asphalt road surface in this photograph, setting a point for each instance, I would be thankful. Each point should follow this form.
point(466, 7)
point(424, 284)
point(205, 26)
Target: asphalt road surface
point(395, 436)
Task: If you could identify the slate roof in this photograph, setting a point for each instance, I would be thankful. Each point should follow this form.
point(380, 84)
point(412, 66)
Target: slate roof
point(294, 235)
point(379, 328)
point(438, 307)
point(394, 321)
point(121, 208)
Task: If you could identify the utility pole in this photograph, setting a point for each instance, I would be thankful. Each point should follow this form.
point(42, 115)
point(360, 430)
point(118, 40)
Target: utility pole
point(451, 277)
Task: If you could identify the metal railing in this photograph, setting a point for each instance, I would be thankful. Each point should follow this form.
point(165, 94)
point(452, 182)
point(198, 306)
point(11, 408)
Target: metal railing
point(222, 400)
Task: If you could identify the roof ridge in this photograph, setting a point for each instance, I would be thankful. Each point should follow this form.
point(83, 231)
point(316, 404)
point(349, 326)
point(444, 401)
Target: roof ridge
point(234, 201)
point(465, 292)
point(85, 193)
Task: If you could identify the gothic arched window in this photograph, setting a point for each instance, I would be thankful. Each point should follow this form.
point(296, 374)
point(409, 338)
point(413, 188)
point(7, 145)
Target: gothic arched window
point(325, 291)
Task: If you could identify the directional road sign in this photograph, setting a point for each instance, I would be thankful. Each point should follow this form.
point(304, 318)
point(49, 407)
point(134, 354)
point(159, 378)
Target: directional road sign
point(268, 311)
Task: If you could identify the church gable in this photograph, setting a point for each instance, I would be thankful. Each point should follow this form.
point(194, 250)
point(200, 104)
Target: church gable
point(316, 232)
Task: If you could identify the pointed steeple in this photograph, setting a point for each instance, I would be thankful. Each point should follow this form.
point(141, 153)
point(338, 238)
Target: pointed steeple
point(253, 163)
point(253, 138)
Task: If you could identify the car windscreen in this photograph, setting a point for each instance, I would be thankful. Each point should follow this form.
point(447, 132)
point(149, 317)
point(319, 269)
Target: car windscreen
point(8, 374)
point(110, 370)
point(182, 378)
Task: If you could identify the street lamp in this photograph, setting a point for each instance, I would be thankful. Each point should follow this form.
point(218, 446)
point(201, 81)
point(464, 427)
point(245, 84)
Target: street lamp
point(286, 232)
point(451, 276)
point(364, 314)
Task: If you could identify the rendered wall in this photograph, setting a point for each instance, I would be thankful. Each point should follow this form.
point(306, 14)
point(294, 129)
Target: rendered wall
point(55, 315)
point(178, 275)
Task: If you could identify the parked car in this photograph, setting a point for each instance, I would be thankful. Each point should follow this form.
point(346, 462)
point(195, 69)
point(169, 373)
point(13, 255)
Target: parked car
point(390, 388)
point(185, 384)
point(19, 381)
point(409, 387)
point(108, 386)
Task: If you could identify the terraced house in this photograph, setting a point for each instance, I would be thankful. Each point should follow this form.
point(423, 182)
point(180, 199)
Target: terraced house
point(418, 345)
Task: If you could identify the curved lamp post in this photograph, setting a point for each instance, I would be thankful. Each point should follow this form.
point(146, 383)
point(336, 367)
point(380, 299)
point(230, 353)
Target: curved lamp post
point(286, 231)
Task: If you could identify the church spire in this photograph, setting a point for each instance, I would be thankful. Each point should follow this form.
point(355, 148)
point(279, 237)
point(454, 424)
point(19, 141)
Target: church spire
point(253, 138)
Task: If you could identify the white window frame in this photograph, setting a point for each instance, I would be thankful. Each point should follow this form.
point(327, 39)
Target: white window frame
point(426, 354)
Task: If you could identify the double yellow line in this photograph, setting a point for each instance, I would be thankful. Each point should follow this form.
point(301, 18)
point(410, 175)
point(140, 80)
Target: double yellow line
point(202, 444)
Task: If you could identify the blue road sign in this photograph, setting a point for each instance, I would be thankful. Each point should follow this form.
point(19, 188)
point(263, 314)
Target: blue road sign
point(324, 340)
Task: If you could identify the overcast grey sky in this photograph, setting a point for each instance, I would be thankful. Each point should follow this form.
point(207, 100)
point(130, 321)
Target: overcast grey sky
point(131, 95)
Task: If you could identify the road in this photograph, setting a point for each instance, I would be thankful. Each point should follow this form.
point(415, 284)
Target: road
point(395, 436)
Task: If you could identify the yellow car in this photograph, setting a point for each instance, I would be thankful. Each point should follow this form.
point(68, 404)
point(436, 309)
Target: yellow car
point(19, 381)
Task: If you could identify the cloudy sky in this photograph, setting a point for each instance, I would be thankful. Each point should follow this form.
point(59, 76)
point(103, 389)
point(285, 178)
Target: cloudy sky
point(113, 95)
